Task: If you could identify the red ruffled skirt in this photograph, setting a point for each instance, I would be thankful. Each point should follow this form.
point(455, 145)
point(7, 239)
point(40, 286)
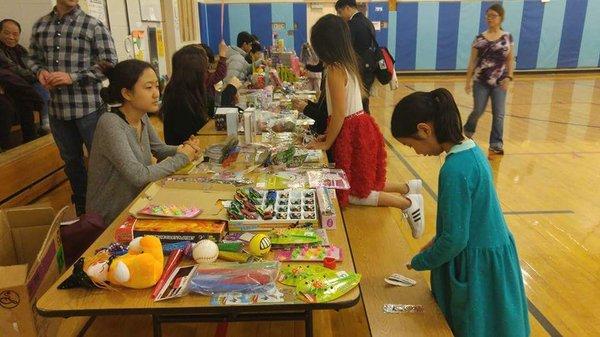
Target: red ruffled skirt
point(359, 150)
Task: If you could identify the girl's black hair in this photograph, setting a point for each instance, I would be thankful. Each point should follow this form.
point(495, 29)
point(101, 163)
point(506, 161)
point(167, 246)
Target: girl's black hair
point(330, 38)
point(190, 66)
point(437, 107)
point(124, 75)
point(228, 96)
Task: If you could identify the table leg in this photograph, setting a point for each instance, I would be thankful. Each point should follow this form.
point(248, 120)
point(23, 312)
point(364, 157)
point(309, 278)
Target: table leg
point(308, 323)
point(156, 326)
point(87, 326)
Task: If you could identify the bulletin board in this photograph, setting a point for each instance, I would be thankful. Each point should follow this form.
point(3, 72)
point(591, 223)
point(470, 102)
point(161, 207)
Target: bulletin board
point(150, 10)
point(97, 9)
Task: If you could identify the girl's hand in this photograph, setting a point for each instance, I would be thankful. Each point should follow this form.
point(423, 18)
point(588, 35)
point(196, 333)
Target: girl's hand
point(223, 49)
point(236, 82)
point(299, 104)
point(468, 87)
point(427, 246)
point(317, 145)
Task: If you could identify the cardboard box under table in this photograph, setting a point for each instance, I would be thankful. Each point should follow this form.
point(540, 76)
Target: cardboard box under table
point(31, 260)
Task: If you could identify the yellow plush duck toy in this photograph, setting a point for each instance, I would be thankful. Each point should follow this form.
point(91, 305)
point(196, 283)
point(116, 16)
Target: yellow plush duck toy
point(140, 268)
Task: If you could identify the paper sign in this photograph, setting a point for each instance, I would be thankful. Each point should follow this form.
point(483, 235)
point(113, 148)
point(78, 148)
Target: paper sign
point(377, 25)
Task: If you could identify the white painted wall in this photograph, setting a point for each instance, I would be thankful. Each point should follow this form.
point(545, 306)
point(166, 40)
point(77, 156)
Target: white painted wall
point(26, 12)
point(136, 23)
point(314, 13)
point(118, 26)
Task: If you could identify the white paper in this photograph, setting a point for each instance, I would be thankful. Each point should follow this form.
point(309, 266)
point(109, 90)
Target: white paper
point(377, 25)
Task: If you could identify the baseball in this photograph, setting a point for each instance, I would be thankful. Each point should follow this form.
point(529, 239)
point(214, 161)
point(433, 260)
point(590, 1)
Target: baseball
point(205, 251)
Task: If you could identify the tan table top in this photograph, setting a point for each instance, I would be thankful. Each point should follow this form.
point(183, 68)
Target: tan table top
point(93, 302)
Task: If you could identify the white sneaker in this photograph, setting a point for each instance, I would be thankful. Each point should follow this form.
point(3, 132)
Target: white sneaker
point(415, 215)
point(414, 186)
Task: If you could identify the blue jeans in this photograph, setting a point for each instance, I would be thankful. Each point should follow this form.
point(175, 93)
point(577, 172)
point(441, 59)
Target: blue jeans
point(481, 94)
point(69, 137)
point(46, 97)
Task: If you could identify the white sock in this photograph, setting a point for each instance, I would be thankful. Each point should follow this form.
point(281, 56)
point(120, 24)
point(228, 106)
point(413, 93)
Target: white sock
point(371, 200)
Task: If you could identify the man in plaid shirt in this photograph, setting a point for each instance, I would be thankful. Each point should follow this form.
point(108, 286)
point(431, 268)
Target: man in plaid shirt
point(67, 47)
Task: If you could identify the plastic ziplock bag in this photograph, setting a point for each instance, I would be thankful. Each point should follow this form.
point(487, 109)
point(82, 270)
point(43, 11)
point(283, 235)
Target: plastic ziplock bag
point(294, 236)
point(255, 277)
point(328, 178)
point(290, 275)
point(319, 288)
point(281, 180)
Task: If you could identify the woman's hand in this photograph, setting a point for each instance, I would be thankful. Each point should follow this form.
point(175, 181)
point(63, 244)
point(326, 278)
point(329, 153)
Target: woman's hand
point(194, 142)
point(188, 150)
point(504, 83)
point(468, 86)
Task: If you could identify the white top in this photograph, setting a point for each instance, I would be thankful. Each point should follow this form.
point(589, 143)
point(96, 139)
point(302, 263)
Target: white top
point(353, 95)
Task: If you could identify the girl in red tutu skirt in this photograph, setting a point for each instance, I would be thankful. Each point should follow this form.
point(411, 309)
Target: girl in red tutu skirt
point(353, 135)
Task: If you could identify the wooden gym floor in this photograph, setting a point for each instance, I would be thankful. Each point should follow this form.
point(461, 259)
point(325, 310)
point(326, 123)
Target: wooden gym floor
point(546, 181)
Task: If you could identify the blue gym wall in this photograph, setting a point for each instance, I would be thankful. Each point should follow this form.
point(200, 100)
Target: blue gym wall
point(427, 35)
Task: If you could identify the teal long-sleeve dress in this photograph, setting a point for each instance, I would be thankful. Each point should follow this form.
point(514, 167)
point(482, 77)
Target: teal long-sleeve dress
point(475, 273)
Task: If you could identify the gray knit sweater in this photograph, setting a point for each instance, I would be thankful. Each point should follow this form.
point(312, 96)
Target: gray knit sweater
point(121, 166)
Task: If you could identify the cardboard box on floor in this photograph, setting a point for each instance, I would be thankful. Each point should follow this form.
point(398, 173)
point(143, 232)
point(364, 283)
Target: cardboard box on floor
point(31, 260)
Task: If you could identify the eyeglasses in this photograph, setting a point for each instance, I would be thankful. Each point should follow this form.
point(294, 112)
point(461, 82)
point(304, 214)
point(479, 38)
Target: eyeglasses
point(492, 16)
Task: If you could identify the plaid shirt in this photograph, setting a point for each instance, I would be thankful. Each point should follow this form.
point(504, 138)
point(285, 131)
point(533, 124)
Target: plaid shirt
point(73, 44)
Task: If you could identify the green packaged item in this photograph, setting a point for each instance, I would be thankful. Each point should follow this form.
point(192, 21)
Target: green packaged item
point(281, 180)
point(294, 236)
point(290, 275)
point(272, 182)
point(297, 161)
point(285, 156)
point(230, 246)
point(325, 287)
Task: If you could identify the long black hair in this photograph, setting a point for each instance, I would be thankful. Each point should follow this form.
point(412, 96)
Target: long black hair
point(437, 107)
point(330, 38)
point(124, 75)
point(190, 65)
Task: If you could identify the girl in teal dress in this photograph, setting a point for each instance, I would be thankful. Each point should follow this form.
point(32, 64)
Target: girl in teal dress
point(475, 273)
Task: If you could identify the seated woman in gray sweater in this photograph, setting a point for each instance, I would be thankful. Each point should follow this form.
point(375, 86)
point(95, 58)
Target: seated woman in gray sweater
point(121, 157)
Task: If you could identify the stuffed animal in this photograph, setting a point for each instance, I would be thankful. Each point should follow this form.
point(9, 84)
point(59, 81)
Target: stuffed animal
point(141, 267)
